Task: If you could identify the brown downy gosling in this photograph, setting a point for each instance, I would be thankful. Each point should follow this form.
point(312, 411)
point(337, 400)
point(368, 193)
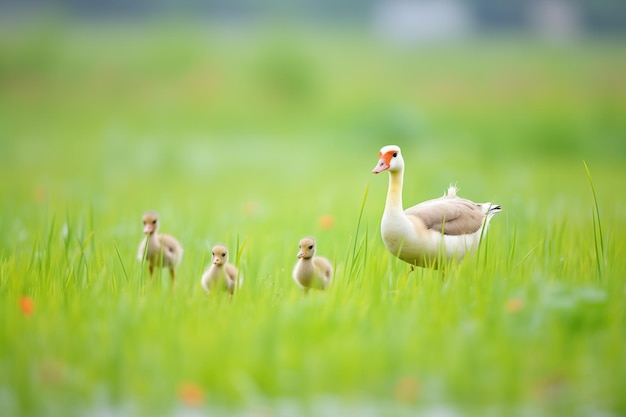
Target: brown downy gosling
point(311, 271)
point(163, 251)
point(220, 275)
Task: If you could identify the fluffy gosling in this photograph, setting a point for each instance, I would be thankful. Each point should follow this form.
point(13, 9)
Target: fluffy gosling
point(163, 251)
point(311, 271)
point(220, 275)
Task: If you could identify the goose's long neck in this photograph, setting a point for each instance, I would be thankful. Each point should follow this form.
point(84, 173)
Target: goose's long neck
point(394, 192)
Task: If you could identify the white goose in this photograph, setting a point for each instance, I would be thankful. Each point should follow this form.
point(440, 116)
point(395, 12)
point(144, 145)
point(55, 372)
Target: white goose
point(449, 227)
point(163, 251)
point(311, 271)
point(220, 274)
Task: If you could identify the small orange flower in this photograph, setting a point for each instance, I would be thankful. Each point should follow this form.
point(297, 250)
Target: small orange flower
point(190, 394)
point(407, 389)
point(26, 305)
point(326, 221)
point(251, 208)
point(40, 195)
point(513, 305)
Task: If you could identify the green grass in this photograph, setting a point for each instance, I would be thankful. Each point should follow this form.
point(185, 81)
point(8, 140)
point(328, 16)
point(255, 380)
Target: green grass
point(249, 143)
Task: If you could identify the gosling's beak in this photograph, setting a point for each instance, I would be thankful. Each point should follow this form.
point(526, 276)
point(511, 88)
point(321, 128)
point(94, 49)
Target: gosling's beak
point(148, 229)
point(300, 255)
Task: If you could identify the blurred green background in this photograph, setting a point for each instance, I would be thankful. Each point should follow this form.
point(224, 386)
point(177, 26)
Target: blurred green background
point(126, 89)
point(250, 125)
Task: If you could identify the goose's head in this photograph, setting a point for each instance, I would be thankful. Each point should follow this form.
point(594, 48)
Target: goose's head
point(389, 158)
point(307, 248)
point(219, 255)
point(150, 223)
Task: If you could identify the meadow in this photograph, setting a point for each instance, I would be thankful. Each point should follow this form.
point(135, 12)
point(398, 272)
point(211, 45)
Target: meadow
point(255, 140)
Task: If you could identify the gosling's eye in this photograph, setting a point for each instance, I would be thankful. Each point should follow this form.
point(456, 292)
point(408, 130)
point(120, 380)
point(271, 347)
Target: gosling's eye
point(153, 221)
point(395, 154)
point(310, 247)
point(223, 255)
point(212, 253)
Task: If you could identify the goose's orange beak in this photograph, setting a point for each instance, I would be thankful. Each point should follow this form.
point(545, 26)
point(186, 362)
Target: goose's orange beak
point(384, 162)
point(381, 166)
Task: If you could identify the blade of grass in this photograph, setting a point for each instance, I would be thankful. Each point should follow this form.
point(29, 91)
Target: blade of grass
point(511, 241)
point(598, 239)
point(530, 252)
point(482, 235)
point(50, 235)
point(67, 235)
point(119, 256)
point(143, 259)
point(240, 249)
point(356, 234)
point(91, 217)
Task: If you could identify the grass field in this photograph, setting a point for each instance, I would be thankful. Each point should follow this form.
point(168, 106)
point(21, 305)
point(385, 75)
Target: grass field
point(256, 141)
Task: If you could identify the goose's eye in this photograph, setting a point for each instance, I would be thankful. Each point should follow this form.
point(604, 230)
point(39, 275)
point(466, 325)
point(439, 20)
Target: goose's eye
point(212, 253)
point(153, 221)
point(223, 255)
point(310, 247)
point(395, 154)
